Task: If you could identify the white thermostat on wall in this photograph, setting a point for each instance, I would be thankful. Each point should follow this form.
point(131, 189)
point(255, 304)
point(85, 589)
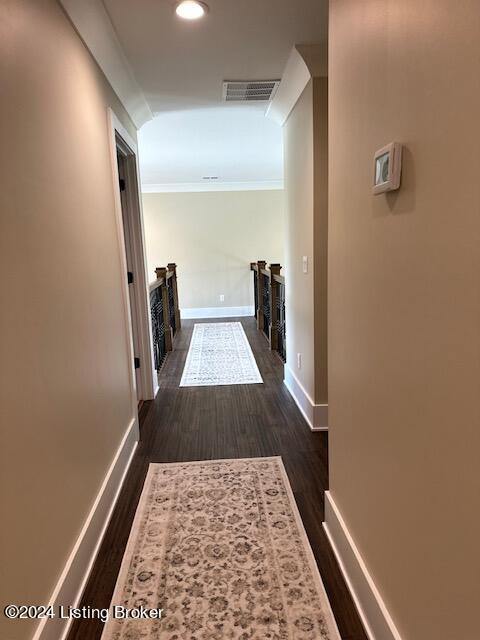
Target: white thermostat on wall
point(387, 168)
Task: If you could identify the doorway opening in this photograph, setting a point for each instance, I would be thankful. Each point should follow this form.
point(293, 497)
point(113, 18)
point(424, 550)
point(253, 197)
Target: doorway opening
point(122, 164)
point(133, 264)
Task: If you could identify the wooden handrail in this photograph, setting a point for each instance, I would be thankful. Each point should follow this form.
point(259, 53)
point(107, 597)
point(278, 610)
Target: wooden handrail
point(155, 284)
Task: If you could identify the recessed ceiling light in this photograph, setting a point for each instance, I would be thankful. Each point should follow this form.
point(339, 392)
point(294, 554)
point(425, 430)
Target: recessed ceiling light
point(191, 9)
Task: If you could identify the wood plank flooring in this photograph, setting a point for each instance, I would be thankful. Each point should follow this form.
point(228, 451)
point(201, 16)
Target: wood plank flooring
point(240, 421)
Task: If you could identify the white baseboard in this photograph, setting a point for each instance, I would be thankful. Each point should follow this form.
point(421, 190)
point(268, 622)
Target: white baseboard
point(370, 606)
point(216, 312)
point(71, 584)
point(316, 415)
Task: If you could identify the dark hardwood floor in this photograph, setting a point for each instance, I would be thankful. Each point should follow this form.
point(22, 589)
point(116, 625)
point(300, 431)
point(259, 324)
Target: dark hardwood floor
point(240, 421)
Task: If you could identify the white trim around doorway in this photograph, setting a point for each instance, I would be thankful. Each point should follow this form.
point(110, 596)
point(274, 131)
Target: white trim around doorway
point(148, 376)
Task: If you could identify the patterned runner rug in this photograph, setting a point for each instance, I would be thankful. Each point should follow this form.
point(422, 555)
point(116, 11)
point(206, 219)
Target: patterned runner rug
point(220, 547)
point(219, 354)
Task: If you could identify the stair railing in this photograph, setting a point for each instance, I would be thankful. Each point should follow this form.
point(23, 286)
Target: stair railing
point(269, 304)
point(164, 311)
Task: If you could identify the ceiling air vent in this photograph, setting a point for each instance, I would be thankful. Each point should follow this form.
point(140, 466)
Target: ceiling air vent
point(253, 91)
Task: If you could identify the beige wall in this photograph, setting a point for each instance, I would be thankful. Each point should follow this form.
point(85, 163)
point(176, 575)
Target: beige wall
point(213, 237)
point(404, 305)
point(306, 189)
point(65, 386)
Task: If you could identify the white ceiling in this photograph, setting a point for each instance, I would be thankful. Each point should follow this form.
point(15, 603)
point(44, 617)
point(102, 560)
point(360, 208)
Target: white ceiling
point(180, 66)
point(238, 145)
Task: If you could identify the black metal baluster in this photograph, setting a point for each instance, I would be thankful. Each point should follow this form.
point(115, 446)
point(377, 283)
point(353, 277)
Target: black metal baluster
point(266, 305)
point(280, 311)
point(171, 306)
point(158, 327)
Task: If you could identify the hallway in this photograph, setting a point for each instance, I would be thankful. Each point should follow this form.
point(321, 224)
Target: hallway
point(240, 421)
point(334, 143)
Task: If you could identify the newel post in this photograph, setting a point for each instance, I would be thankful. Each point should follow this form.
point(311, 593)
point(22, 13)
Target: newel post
point(274, 271)
point(171, 266)
point(162, 273)
point(261, 264)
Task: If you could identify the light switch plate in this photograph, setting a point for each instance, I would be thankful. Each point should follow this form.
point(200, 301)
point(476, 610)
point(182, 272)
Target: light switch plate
point(305, 264)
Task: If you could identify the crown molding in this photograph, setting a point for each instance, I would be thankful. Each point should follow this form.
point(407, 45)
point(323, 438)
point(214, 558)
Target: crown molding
point(304, 63)
point(185, 187)
point(93, 24)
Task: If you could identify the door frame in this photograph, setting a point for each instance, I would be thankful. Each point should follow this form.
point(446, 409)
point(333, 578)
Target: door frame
point(148, 380)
